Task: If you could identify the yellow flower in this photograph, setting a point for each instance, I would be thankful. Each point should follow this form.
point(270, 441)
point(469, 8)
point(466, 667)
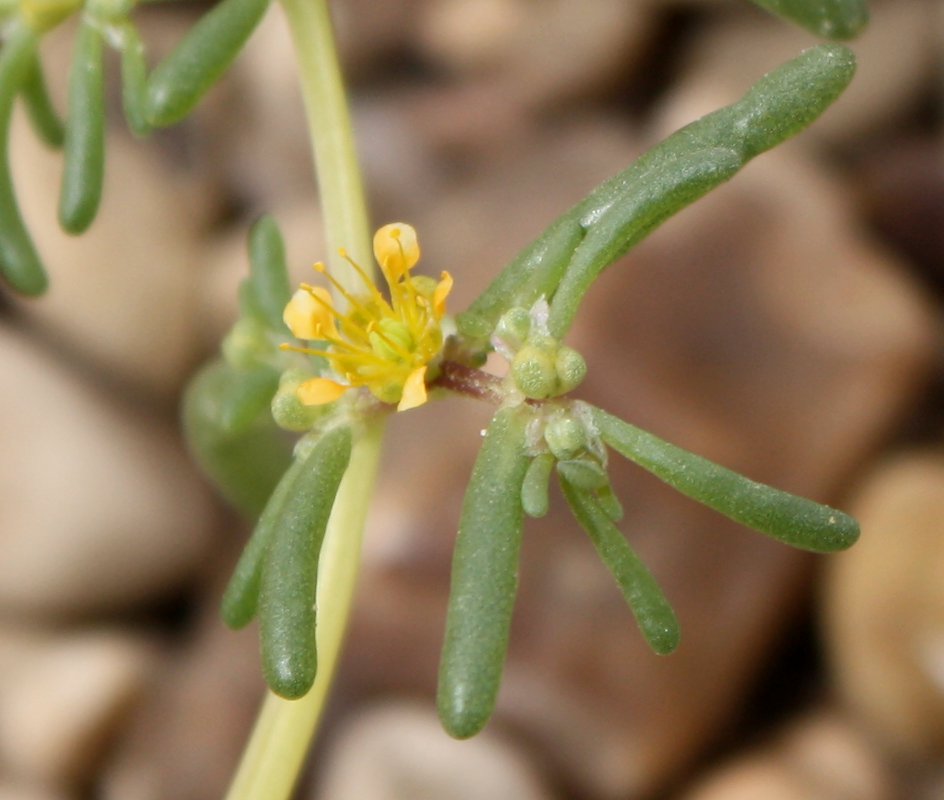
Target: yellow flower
point(384, 345)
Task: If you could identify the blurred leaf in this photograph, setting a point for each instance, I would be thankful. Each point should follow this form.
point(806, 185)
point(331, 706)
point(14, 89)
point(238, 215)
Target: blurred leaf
point(831, 19)
point(290, 568)
point(133, 78)
point(249, 396)
point(42, 114)
point(652, 611)
point(177, 84)
point(793, 520)
point(268, 276)
point(19, 262)
point(484, 578)
point(246, 462)
point(84, 151)
point(241, 598)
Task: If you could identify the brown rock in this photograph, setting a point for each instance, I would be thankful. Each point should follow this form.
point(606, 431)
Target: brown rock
point(744, 342)
point(884, 607)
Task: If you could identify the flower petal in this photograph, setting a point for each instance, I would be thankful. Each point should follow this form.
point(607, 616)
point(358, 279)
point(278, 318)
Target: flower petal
point(414, 390)
point(309, 314)
point(396, 250)
point(320, 391)
point(442, 292)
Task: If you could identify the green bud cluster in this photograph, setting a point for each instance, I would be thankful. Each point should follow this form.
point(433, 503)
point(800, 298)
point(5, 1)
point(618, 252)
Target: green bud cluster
point(541, 367)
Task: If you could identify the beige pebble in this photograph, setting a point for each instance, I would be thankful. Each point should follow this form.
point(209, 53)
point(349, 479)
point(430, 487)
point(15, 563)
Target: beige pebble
point(62, 698)
point(883, 606)
point(100, 506)
point(537, 54)
point(27, 791)
point(186, 736)
point(821, 756)
point(397, 751)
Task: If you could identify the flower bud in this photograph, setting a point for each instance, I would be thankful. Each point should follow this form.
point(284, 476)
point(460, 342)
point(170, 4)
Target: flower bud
point(565, 437)
point(571, 369)
point(288, 411)
point(534, 372)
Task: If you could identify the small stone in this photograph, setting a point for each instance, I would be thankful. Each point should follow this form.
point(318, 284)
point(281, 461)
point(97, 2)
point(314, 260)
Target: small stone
point(397, 751)
point(536, 54)
point(185, 738)
point(62, 698)
point(100, 507)
point(27, 791)
point(884, 606)
point(819, 757)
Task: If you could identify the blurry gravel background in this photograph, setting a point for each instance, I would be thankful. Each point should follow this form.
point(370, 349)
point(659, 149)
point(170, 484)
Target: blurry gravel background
point(787, 326)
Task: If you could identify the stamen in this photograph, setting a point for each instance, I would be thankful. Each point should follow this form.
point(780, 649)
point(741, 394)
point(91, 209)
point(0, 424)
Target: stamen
point(341, 290)
point(368, 282)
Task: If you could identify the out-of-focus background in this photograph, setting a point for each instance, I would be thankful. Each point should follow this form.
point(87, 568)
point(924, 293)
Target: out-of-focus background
point(787, 326)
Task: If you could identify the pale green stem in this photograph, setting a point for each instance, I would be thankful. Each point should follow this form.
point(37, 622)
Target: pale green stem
point(285, 728)
point(332, 138)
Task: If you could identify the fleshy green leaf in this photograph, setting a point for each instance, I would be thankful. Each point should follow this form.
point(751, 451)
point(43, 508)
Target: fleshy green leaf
point(241, 598)
point(793, 520)
point(484, 579)
point(133, 78)
point(534, 494)
point(290, 568)
point(42, 113)
point(249, 395)
point(180, 81)
point(245, 460)
point(268, 276)
point(695, 160)
point(831, 19)
point(84, 151)
point(567, 258)
point(652, 611)
point(19, 262)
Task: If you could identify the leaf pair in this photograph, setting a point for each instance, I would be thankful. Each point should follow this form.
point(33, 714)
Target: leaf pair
point(277, 574)
point(563, 263)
